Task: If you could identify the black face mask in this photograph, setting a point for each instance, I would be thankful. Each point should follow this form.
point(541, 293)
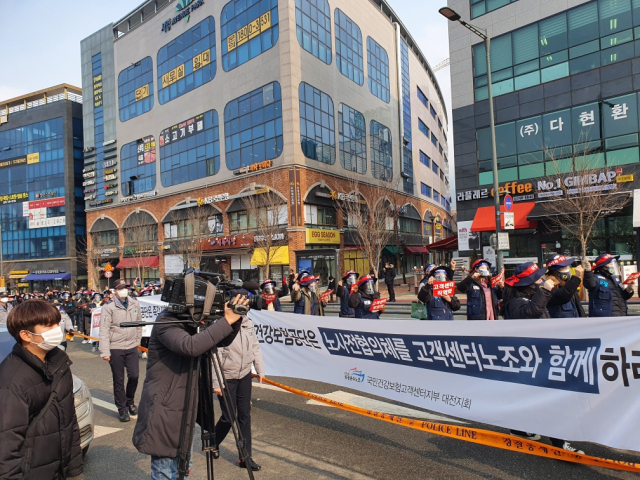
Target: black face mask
point(564, 276)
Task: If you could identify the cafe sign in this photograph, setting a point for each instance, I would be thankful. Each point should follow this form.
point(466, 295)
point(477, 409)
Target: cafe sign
point(229, 241)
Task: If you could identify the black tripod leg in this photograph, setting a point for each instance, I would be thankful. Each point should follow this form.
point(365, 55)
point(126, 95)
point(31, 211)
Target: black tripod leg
point(188, 419)
point(207, 415)
point(231, 412)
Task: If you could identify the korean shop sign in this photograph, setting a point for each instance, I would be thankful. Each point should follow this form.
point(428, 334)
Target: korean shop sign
point(185, 7)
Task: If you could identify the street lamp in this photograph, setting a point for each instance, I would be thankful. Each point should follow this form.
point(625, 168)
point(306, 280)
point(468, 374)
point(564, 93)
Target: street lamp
point(451, 15)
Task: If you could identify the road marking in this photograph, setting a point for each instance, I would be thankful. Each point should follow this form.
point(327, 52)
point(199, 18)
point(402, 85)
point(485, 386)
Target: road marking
point(103, 404)
point(100, 431)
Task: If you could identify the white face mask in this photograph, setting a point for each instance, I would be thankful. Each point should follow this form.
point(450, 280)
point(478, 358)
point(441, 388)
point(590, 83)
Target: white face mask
point(51, 338)
point(122, 293)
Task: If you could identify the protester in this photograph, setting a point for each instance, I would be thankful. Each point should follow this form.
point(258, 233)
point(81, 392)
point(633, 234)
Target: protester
point(565, 302)
point(361, 300)
point(95, 303)
point(268, 291)
point(389, 279)
point(5, 308)
point(344, 293)
point(607, 296)
point(238, 358)
point(482, 298)
point(332, 287)
point(66, 325)
point(38, 425)
point(305, 296)
point(438, 308)
point(171, 349)
point(119, 347)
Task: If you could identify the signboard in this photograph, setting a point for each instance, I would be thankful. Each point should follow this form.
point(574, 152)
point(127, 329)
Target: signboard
point(254, 167)
point(636, 208)
point(173, 264)
point(489, 254)
point(47, 222)
point(230, 241)
point(247, 32)
point(105, 252)
point(146, 150)
point(97, 91)
point(33, 158)
point(497, 279)
point(142, 92)
point(13, 198)
point(19, 272)
point(185, 8)
point(48, 203)
point(467, 240)
point(293, 209)
point(325, 237)
point(42, 195)
point(378, 304)
point(108, 274)
point(508, 202)
point(503, 241)
point(443, 288)
point(509, 220)
point(138, 196)
point(213, 199)
point(185, 129)
point(23, 285)
point(631, 278)
point(324, 296)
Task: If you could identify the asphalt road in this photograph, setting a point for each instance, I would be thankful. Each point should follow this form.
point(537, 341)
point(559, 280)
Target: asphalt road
point(297, 439)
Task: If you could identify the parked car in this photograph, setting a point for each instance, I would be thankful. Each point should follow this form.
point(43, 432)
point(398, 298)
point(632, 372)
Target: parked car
point(81, 394)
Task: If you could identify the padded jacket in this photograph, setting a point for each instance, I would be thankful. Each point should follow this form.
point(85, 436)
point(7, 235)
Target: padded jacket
point(112, 335)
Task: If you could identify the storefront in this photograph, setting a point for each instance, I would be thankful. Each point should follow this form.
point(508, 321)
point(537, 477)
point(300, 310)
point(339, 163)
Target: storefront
point(141, 267)
point(102, 256)
point(320, 256)
point(278, 262)
point(41, 280)
point(231, 255)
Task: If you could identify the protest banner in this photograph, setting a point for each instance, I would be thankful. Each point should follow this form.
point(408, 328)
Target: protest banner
point(378, 304)
point(497, 279)
point(324, 296)
point(631, 278)
point(443, 288)
point(150, 307)
point(269, 298)
point(576, 379)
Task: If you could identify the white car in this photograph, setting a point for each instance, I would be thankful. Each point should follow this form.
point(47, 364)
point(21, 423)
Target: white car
point(81, 394)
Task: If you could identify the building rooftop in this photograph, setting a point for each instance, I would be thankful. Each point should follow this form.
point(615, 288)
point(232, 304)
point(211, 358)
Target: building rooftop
point(64, 91)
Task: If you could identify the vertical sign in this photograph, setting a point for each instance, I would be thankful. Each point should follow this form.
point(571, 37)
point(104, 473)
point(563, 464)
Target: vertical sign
point(293, 206)
point(97, 90)
point(299, 198)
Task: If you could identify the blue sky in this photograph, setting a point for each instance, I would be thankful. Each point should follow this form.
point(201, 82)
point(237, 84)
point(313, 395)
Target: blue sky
point(41, 45)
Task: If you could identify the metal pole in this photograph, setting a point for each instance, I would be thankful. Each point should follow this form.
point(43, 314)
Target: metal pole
point(494, 157)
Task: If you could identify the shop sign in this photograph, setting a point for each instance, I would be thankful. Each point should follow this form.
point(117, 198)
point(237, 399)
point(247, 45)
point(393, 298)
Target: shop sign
point(260, 191)
point(247, 32)
point(325, 237)
point(108, 193)
point(138, 196)
point(254, 167)
point(139, 250)
point(46, 272)
point(110, 171)
point(13, 198)
point(89, 175)
point(101, 202)
point(214, 199)
point(518, 191)
point(50, 194)
point(47, 222)
point(110, 185)
point(15, 161)
point(19, 272)
point(295, 198)
point(89, 197)
point(105, 252)
point(97, 91)
point(109, 177)
point(88, 182)
point(23, 285)
point(89, 168)
point(51, 202)
point(185, 7)
point(624, 178)
point(109, 163)
point(276, 237)
point(229, 241)
point(146, 150)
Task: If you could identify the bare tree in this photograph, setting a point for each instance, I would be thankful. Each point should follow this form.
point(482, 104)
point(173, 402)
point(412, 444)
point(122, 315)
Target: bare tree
point(141, 237)
point(88, 257)
point(194, 230)
point(267, 216)
point(581, 194)
point(7, 267)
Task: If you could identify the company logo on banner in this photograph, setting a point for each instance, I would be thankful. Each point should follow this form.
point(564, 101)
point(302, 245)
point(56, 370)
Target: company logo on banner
point(150, 308)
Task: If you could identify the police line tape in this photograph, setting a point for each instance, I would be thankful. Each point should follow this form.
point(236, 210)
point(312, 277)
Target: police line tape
point(75, 334)
point(474, 435)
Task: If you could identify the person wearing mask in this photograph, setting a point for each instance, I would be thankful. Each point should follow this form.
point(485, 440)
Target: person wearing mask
point(332, 286)
point(236, 362)
point(607, 296)
point(389, 279)
point(272, 296)
point(119, 347)
point(438, 308)
point(482, 298)
point(5, 308)
point(565, 302)
point(344, 293)
point(38, 425)
point(361, 300)
point(305, 296)
point(66, 325)
point(69, 307)
point(96, 302)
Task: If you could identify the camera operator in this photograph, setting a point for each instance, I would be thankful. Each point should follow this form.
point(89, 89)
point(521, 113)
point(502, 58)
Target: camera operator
point(171, 347)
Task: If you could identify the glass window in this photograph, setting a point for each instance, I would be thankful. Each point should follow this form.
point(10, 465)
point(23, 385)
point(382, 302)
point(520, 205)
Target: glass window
point(480, 7)
point(585, 123)
point(615, 15)
point(557, 129)
point(434, 140)
point(313, 28)
point(187, 62)
point(433, 111)
point(138, 166)
point(424, 159)
point(623, 157)
point(352, 131)
point(423, 128)
point(317, 124)
point(525, 44)
point(348, 48)
point(529, 132)
point(190, 150)
point(425, 190)
point(620, 115)
point(434, 167)
point(253, 127)
point(553, 34)
point(381, 151)
point(135, 89)
point(583, 24)
point(320, 216)
point(248, 28)
point(423, 98)
point(436, 196)
point(378, 65)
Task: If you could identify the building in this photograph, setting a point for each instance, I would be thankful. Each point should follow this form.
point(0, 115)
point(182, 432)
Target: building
point(41, 206)
point(203, 103)
point(565, 87)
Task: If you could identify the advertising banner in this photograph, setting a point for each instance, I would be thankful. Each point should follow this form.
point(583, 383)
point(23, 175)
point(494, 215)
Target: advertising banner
point(578, 379)
point(150, 307)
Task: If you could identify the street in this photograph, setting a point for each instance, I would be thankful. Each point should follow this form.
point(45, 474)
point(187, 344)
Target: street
point(295, 438)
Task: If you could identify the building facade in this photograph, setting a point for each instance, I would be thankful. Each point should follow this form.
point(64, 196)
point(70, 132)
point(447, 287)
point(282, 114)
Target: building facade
point(41, 202)
point(206, 102)
point(565, 86)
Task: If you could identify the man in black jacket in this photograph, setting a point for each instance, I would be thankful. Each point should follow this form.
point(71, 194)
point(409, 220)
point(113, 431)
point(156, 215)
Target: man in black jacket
point(171, 348)
point(607, 296)
point(478, 288)
point(38, 425)
point(389, 279)
point(565, 302)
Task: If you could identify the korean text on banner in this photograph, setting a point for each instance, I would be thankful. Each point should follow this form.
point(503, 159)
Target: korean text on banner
point(443, 288)
point(324, 296)
point(497, 279)
point(150, 308)
point(378, 304)
point(631, 278)
point(568, 379)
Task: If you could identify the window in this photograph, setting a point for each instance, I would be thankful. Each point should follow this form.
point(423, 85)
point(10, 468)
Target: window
point(407, 144)
point(422, 97)
point(138, 166)
point(187, 62)
point(253, 127)
point(183, 228)
point(190, 150)
point(440, 148)
point(248, 28)
point(244, 221)
point(381, 160)
point(105, 239)
point(135, 89)
point(434, 140)
point(433, 111)
point(442, 175)
point(352, 137)
point(440, 127)
point(434, 167)
point(378, 65)
point(313, 28)
point(423, 128)
point(480, 7)
point(317, 124)
point(425, 190)
point(424, 159)
point(436, 196)
point(320, 216)
point(409, 225)
point(348, 48)
point(443, 201)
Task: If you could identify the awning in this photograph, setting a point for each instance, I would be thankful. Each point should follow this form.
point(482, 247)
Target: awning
point(279, 256)
point(390, 251)
point(148, 262)
point(484, 221)
point(46, 276)
point(415, 250)
point(449, 243)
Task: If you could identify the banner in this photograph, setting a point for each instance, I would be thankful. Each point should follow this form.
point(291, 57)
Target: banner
point(324, 296)
point(578, 379)
point(497, 279)
point(631, 278)
point(150, 307)
point(378, 304)
point(443, 288)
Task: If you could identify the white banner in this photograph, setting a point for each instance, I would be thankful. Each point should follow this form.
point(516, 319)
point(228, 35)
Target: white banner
point(575, 379)
point(150, 307)
point(46, 222)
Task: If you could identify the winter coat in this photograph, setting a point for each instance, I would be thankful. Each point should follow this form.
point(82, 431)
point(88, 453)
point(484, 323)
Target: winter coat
point(237, 358)
point(361, 303)
point(389, 276)
point(607, 298)
point(517, 308)
point(34, 446)
point(437, 307)
point(306, 302)
point(344, 293)
point(476, 300)
point(69, 306)
point(565, 302)
point(171, 348)
point(112, 335)
point(66, 325)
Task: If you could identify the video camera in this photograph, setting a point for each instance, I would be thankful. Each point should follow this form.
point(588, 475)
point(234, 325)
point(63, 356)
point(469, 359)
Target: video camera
point(174, 293)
